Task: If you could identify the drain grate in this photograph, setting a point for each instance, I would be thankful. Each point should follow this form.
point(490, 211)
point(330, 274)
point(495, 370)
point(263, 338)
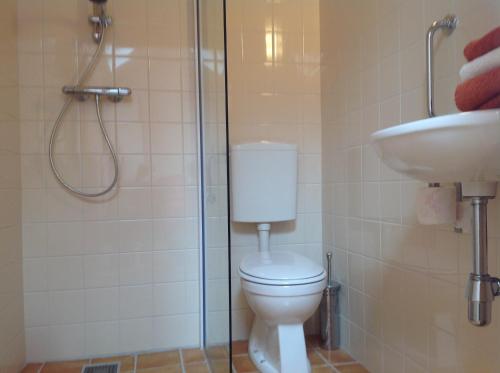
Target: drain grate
point(102, 368)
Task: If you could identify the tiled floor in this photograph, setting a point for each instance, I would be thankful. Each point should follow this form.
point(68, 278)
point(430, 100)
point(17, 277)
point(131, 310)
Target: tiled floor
point(178, 361)
point(322, 361)
point(195, 361)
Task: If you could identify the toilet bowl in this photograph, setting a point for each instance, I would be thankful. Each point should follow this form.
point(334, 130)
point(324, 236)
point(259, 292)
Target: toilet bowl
point(283, 289)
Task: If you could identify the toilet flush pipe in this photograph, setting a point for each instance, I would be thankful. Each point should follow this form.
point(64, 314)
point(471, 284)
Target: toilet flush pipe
point(264, 232)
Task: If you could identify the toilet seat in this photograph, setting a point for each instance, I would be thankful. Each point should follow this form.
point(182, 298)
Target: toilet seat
point(280, 268)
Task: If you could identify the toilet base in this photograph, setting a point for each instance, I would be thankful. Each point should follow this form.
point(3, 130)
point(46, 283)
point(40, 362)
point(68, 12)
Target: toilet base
point(267, 342)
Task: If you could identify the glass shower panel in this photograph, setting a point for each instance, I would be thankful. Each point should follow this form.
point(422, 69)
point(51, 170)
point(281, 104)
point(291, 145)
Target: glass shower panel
point(213, 116)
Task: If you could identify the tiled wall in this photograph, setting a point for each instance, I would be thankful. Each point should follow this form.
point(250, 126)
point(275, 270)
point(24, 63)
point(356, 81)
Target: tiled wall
point(402, 301)
point(119, 273)
point(274, 94)
point(11, 292)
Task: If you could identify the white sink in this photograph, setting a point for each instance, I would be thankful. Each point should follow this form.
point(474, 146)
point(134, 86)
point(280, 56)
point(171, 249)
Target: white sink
point(461, 147)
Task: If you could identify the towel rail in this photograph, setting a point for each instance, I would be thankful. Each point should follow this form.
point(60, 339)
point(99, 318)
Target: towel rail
point(449, 22)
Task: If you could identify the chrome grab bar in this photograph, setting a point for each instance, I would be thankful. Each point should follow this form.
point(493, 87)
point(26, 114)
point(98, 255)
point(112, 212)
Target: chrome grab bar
point(113, 93)
point(449, 22)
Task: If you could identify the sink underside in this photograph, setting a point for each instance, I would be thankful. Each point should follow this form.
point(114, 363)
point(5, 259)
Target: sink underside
point(462, 147)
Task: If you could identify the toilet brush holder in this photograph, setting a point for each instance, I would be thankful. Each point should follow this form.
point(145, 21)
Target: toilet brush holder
point(329, 312)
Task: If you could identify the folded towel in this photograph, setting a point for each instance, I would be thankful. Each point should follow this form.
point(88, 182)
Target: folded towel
point(480, 65)
point(483, 45)
point(473, 93)
point(494, 103)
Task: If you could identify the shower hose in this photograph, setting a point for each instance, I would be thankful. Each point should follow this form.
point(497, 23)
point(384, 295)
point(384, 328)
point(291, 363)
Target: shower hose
point(57, 125)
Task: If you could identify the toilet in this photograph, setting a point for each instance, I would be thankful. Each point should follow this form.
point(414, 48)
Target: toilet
point(282, 288)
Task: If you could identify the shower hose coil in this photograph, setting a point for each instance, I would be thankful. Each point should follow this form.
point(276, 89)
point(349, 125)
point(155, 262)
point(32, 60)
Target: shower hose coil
point(58, 125)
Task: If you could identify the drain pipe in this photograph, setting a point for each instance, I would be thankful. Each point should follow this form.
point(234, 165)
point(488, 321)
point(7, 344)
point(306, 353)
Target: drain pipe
point(482, 288)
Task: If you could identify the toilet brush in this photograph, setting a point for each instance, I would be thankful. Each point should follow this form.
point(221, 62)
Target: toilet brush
point(329, 315)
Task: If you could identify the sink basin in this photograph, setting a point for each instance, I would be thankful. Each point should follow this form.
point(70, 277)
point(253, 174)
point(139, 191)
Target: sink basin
point(462, 147)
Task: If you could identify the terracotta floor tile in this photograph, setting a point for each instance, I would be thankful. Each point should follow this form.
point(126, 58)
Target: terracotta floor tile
point(243, 364)
point(164, 369)
point(314, 358)
point(220, 366)
point(196, 368)
point(240, 347)
point(336, 356)
point(352, 368)
point(158, 359)
point(322, 369)
point(64, 367)
point(32, 368)
point(216, 353)
point(127, 362)
point(194, 355)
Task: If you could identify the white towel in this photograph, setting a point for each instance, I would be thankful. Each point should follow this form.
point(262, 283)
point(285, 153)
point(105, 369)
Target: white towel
point(480, 65)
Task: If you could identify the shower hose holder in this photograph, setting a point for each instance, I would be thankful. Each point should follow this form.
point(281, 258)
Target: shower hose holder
point(99, 21)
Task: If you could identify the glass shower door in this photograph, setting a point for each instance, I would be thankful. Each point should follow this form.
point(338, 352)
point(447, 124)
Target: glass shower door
point(213, 143)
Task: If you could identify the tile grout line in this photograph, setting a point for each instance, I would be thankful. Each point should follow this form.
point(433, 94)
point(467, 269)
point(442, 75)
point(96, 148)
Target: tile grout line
point(330, 364)
point(206, 360)
point(182, 361)
point(327, 362)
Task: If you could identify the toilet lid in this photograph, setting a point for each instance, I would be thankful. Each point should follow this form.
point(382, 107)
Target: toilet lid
point(280, 265)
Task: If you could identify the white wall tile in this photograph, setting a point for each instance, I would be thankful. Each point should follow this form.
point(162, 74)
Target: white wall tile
point(175, 266)
point(186, 326)
point(166, 138)
point(168, 202)
point(102, 338)
point(35, 274)
point(36, 309)
point(101, 237)
point(34, 240)
point(64, 239)
point(66, 307)
point(37, 348)
point(102, 304)
point(101, 271)
point(136, 268)
point(136, 301)
point(135, 235)
point(67, 341)
point(65, 273)
point(136, 335)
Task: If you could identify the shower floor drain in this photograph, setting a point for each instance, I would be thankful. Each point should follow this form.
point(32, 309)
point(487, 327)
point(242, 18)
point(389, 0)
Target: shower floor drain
point(102, 368)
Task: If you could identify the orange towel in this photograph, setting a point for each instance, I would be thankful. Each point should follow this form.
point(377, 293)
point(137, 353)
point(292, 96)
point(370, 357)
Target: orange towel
point(494, 103)
point(483, 45)
point(473, 93)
